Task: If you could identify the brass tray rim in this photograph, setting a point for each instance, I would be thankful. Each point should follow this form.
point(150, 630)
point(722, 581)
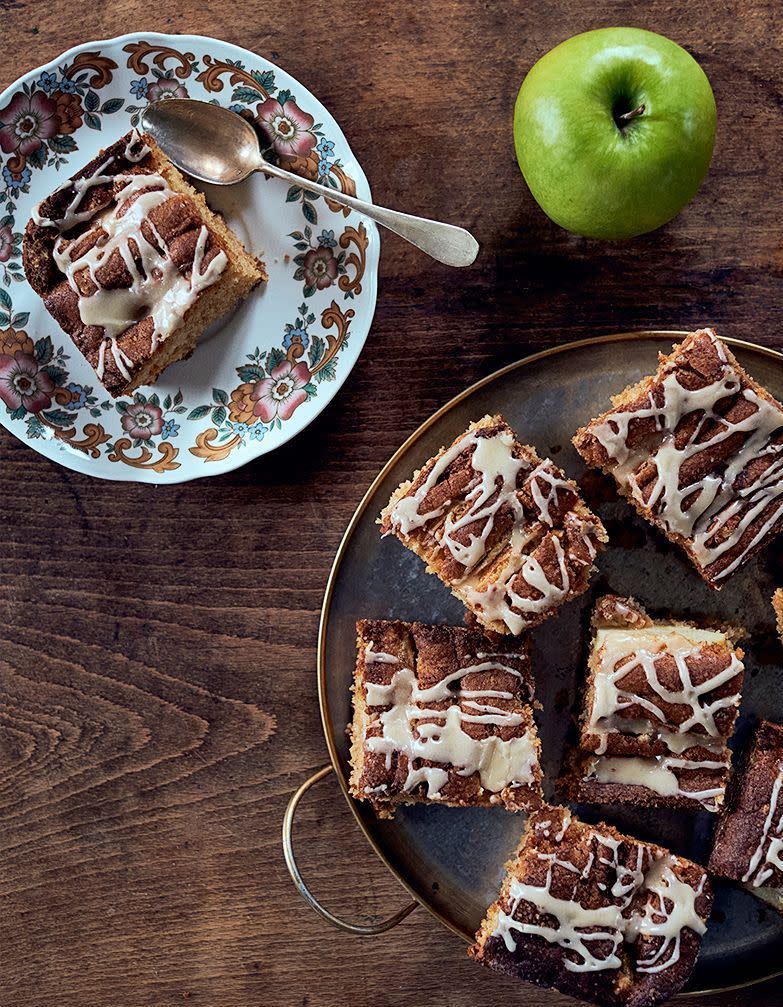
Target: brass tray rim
point(323, 702)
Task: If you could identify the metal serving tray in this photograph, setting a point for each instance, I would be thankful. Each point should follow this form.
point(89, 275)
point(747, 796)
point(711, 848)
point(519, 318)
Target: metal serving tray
point(451, 860)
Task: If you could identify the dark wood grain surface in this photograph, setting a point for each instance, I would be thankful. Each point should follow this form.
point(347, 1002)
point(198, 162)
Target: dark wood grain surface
point(157, 646)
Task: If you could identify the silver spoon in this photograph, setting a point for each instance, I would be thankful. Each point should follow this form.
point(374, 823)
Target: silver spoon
point(216, 145)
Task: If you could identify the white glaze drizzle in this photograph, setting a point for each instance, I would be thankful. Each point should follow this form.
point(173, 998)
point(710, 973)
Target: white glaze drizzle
point(81, 186)
point(157, 288)
point(764, 861)
point(135, 140)
point(673, 910)
point(656, 773)
point(712, 501)
point(563, 828)
point(500, 601)
point(660, 921)
point(621, 651)
point(373, 656)
point(569, 932)
point(494, 488)
point(441, 738)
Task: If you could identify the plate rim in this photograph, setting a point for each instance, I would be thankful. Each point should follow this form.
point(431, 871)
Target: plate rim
point(77, 461)
point(323, 625)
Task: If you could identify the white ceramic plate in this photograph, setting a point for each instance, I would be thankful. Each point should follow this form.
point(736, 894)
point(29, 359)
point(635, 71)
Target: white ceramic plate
point(260, 375)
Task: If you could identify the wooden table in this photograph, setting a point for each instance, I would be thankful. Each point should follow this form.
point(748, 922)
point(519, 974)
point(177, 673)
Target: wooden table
point(157, 663)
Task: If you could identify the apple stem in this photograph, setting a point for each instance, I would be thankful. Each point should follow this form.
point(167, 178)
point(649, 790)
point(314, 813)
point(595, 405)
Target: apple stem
point(627, 116)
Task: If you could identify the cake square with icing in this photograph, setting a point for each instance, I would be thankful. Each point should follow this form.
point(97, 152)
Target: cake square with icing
point(442, 714)
point(748, 843)
point(506, 531)
point(132, 264)
point(660, 704)
point(697, 449)
point(595, 914)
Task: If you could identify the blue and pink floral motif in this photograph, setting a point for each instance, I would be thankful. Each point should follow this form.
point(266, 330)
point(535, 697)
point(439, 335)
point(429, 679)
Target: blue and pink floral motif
point(41, 389)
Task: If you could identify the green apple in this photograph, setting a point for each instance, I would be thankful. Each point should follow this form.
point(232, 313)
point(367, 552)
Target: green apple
point(614, 131)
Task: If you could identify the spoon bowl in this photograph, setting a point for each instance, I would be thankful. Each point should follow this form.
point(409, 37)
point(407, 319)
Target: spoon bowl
point(209, 143)
point(215, 145)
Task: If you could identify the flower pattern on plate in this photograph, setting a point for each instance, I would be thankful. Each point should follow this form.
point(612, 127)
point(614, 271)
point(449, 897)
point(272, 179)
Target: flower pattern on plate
point(49, 396)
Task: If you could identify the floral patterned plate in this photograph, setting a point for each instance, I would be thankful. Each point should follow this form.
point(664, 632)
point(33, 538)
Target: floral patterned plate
point(259, 376)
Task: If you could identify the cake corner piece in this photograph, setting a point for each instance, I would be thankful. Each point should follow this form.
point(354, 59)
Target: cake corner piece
point(716, 489)
point(595, 914)
point(507, 532)
point(132, 264)
point(660, 701)
point(748, 841)
point(442, 714)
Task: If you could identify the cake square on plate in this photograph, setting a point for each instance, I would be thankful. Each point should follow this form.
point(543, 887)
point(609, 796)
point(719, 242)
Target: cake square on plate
point(595, 914)
point(697, 448)
point(748, 843)
point(131, 262)
point(442, 714)
point(660, 704)
point(506, 531)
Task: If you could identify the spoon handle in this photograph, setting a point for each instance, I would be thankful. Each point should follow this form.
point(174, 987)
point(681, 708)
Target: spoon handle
point(453, 245)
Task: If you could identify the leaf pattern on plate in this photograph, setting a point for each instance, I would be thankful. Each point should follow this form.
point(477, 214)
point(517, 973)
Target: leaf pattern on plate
point(44, 120)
